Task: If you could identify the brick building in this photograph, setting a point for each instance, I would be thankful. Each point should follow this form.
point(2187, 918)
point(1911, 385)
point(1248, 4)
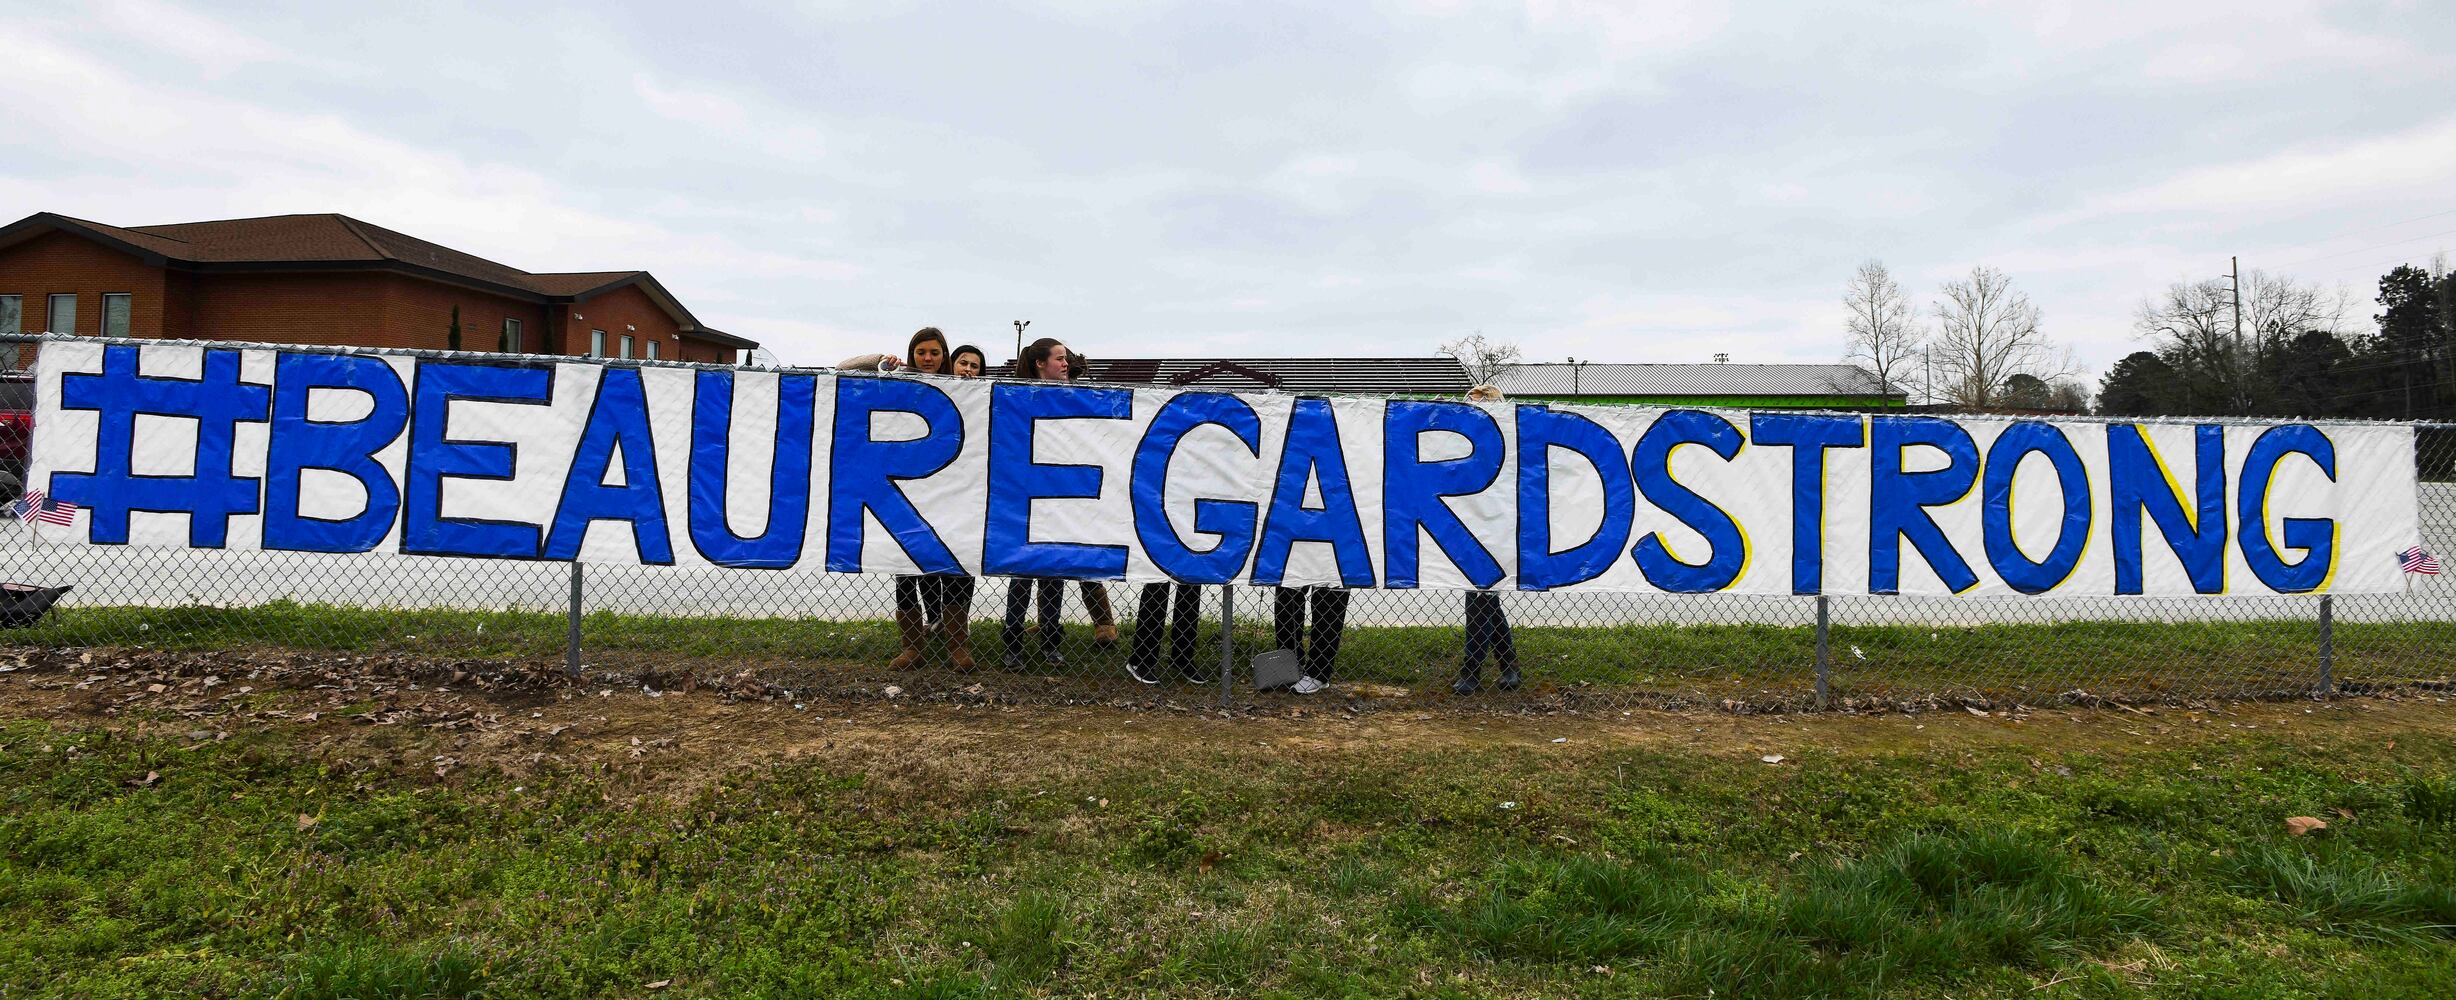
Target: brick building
point(326, 279)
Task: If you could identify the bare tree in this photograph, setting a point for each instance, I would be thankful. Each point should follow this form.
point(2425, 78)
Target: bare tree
point(2194, 328)
point(1484, 359)
point(1987, 332)
point(1885, 337)
point(2277, 308)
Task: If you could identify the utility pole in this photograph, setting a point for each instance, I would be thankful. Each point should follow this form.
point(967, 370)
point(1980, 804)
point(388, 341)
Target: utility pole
point(2234, 273)
point(2244, 364)
point(1019, 325)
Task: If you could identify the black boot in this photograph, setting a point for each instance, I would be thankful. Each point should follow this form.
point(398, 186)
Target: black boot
point(1509, 675)
point(1467, 682)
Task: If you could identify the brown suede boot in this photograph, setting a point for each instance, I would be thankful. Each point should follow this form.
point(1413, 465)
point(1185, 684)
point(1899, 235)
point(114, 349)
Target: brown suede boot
point(954, 621)
point(908, 625)
point(1104, 617)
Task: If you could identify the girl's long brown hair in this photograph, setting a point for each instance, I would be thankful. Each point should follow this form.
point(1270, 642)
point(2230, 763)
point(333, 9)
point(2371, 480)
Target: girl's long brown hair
point(1028, 366)
point(923, 336)
point(964, 350)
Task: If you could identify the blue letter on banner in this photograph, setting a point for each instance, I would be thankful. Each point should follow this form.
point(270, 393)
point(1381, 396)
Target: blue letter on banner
point(1015, 412)
point(1540, 430)
point(1231, 520)
point(617, 419)
point(1996, 507)
point(2315, 536)
point(2139, 480)
point(299, 442)
point(1311, 451)
point(1898, 501)
point(433, 458)
point(1414, 490)
point(1650, 465)
point(862, 473)
point(1808, 436)
point(217, 401)
point(779, 543)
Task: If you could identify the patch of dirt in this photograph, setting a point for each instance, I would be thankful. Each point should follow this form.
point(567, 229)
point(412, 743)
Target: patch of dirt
point(676, 734)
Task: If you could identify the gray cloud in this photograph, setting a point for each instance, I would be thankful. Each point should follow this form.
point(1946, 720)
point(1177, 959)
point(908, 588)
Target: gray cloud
point(1613, 181)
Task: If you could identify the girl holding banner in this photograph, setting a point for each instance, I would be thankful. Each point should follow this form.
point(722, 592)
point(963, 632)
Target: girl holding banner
point(955, 592)
point(1095, 593)
point(1488, 632)
point(1046, 360)
point(918, 597)
point(967, 362)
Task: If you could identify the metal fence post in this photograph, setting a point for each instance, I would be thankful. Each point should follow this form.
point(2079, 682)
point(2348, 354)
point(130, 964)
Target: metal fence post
point(2328, 645)
point(1824, 658)
point(571, 644)
point(1227, 641)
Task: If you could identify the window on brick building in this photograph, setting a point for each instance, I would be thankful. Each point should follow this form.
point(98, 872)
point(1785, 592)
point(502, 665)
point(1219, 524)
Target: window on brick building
point(626, 345)
point(511, 336)
point(63, 318)
point(116, 307)
point(12, 318)
point(652, 350)
point(596, 343)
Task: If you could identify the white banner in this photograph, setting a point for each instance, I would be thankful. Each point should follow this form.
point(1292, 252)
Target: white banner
point(265, 448)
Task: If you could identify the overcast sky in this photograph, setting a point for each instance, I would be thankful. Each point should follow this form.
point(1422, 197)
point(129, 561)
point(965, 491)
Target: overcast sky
point(1238, 179)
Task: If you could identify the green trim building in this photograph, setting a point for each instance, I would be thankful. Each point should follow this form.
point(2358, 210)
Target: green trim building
point(1758, 387)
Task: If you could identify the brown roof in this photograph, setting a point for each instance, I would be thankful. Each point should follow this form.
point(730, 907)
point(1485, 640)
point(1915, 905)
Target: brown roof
point(286, 237)
point(158, 244)
point(340, 241)
point(330, 237)
point(578, 282)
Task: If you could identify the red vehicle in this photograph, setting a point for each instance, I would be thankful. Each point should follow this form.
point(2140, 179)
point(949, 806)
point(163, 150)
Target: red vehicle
point(16, 432)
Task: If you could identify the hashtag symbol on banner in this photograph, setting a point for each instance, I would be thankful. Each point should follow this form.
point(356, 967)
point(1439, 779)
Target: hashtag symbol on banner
point(217, 401)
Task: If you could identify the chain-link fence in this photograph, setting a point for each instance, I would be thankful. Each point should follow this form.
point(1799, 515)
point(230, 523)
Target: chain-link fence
point(825, 635)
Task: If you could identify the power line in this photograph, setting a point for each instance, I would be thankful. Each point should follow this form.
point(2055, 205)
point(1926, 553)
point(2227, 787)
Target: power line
point(2383, 390)
point(2350, 367)
point(2376, 366)
point(2356, 250)
point(2382, 267)
point(2366, 231)
point(2392, 225)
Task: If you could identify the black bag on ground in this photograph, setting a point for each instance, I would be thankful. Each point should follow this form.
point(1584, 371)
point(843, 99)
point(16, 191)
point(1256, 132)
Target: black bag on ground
point(22, 605)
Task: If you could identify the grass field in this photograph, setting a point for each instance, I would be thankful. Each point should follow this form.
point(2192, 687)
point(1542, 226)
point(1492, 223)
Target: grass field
point(561, 843)
point(1764, 665)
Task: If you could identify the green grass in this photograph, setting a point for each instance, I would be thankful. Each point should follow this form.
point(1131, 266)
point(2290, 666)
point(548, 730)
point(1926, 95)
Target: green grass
point(2346, 894)
point(354, 970)
point(1762, 664)
point(1208, 869)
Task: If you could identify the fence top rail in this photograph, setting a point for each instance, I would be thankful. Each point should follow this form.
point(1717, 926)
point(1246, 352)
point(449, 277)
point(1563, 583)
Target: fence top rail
point(500, 357)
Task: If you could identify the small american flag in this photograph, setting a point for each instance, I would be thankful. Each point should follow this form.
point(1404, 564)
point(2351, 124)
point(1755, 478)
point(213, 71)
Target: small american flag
point(39, 506)
point(2417, 561)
